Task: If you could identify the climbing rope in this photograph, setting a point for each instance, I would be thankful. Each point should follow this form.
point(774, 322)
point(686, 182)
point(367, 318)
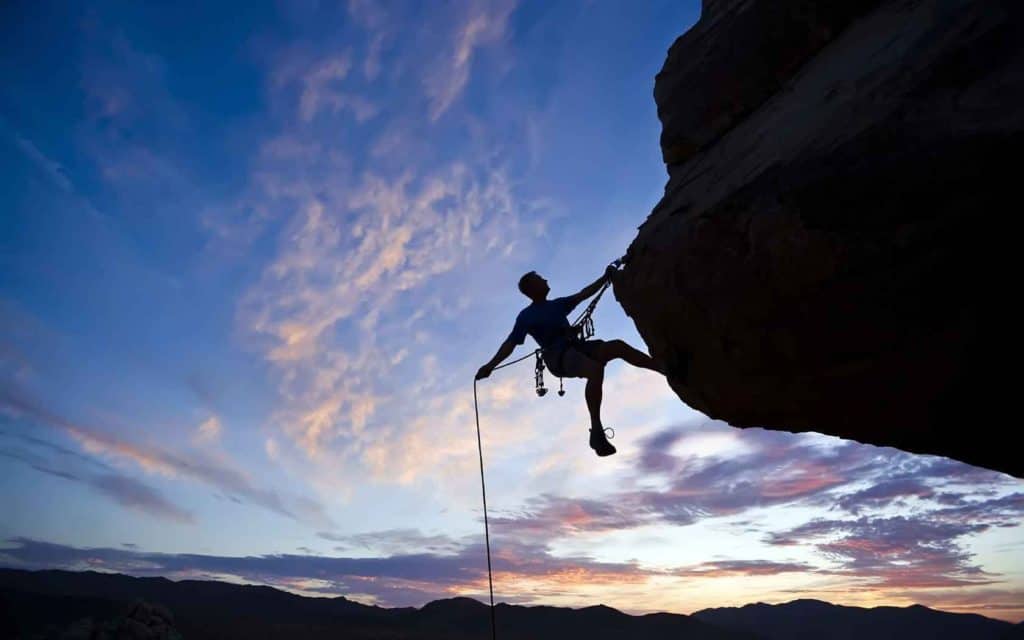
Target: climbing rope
point(483, 482)
point(487, 528)
point(583, 329)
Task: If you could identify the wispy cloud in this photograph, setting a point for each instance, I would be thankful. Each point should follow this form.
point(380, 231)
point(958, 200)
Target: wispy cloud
point(161, 461)
point(482, 24)
point(346, 260)
point(728, 568)
point(780, 468)
point(374, 19)
point(775, 469)
point(395, 541)
point(53, 170)
point(899, 551)
point(124, 490)
point(209, 430)
point(396, 580)
point(134, 494)
point(320, 86)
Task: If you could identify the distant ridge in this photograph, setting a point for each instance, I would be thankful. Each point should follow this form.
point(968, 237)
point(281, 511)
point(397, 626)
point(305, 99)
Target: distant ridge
point(812, 619)
point(32, 601)
point(204, 610)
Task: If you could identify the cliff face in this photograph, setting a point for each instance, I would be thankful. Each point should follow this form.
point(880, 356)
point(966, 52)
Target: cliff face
point(832, 252)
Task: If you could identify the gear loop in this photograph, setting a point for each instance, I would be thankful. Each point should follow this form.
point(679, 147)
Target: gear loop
point(538, 375)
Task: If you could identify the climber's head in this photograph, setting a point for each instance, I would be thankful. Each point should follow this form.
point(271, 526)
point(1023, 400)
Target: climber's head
point(533, 286)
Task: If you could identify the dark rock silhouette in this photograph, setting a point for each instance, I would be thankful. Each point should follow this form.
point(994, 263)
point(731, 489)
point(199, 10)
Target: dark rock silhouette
point(831, 252)
point(31, 602)
point(143, 621)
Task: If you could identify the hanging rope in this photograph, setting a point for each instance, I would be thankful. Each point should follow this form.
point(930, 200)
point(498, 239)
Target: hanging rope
point(487, 528)
point(583, 329)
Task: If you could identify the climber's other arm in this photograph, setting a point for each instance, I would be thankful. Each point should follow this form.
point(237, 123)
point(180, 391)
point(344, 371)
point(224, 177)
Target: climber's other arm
point(504, 351)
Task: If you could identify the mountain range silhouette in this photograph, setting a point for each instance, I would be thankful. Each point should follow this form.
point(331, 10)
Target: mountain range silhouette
point(37, 604)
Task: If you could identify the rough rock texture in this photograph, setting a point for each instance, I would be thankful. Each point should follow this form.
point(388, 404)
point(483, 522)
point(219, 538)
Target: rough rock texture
point(143, 621)
point(832, 252)
point(740, 54)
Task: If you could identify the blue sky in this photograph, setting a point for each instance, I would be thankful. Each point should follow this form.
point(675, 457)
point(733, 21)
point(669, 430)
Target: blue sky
point(252, 256)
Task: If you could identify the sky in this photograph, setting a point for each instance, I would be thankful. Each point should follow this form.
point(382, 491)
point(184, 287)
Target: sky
point(252, 256)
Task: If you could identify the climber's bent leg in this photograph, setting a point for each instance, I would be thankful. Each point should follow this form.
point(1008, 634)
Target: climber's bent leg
point(608, 350)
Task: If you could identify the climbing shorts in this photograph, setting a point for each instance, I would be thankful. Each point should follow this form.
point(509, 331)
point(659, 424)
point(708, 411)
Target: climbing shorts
point(572, 360)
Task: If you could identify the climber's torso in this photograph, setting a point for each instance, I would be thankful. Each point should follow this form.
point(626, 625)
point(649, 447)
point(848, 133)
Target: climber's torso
point(545, 322)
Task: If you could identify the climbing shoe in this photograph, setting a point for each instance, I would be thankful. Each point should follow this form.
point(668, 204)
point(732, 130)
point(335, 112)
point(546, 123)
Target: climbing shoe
point(599, 443)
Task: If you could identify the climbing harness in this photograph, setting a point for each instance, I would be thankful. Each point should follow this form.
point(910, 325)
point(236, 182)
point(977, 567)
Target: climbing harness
point(582, 329)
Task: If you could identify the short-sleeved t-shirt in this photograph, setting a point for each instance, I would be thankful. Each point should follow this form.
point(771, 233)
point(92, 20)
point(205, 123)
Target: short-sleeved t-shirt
point(545, 321)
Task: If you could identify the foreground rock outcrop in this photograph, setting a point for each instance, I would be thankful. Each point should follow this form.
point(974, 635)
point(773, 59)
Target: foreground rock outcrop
point(833, 250)
point(143, 621)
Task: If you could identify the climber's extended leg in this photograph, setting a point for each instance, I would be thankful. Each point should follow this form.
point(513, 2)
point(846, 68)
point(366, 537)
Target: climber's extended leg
point(608, 350)
point(593, 392)
point(575, 363)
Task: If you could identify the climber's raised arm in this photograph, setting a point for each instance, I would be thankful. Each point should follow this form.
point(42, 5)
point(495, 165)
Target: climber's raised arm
point(591, 288)
point(504, 351)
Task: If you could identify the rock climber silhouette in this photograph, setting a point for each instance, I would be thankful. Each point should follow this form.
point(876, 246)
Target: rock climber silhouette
point(565, 354)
